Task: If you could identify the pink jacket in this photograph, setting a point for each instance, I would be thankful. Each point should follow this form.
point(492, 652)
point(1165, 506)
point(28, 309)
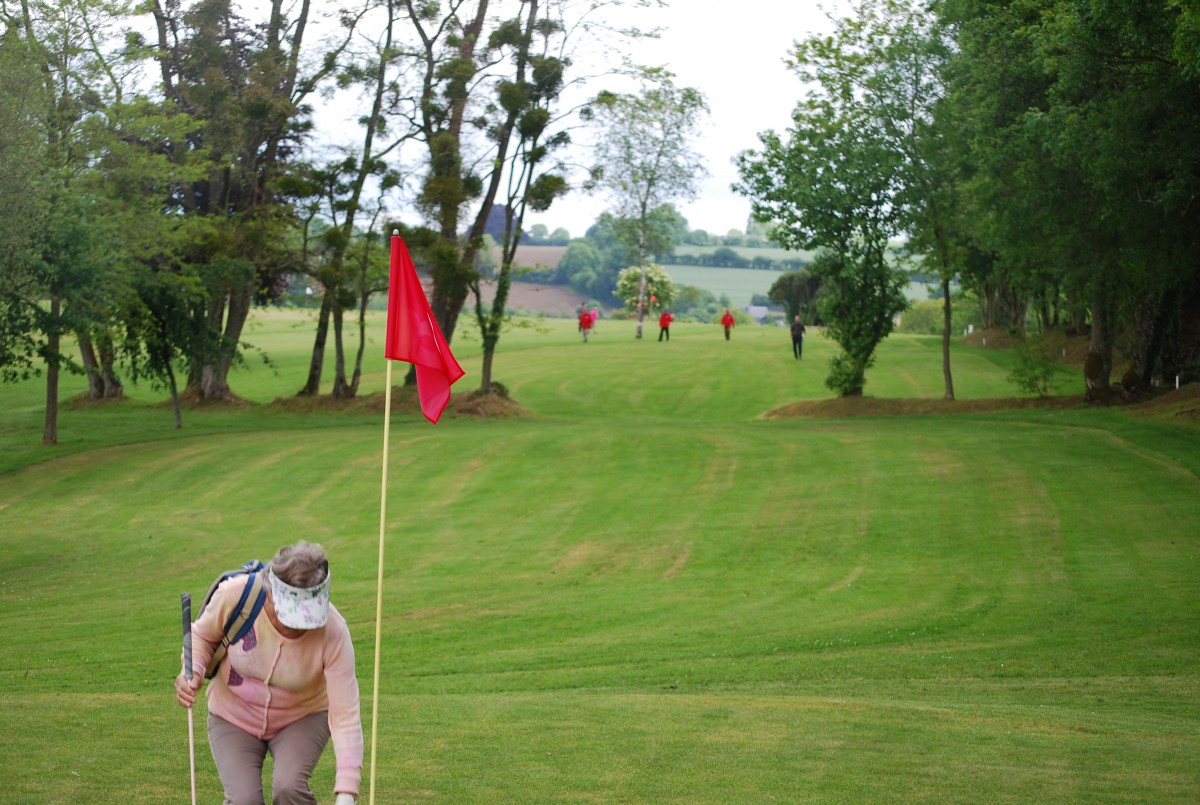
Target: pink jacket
point(269, 681)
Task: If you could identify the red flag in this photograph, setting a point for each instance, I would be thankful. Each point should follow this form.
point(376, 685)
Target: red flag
point(413, 335)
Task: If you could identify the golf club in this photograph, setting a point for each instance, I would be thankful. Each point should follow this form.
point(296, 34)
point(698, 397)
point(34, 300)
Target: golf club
point(186, 599)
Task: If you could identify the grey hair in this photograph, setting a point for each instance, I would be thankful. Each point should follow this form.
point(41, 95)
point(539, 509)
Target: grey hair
point(301, 565)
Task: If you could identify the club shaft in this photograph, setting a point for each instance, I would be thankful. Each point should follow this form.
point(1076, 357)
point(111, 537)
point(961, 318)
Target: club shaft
point(192, 753)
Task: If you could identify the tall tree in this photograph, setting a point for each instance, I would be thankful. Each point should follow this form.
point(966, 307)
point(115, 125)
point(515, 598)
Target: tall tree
point(243, 82)
point(71, 283)
point(340, 188)
point(74, 264)
point(1077, 115)
point(450, 52)
point(525, 141)
point(453, 107)
point(837, 185)
point(908, 50)
point(23, 200)
point(645, 160)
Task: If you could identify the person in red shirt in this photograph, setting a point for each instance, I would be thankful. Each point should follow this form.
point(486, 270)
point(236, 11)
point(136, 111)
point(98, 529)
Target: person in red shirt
point(727, 322)
point(664, 325)
point(585, 324)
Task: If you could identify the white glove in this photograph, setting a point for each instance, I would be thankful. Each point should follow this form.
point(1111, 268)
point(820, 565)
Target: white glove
point(344, 799)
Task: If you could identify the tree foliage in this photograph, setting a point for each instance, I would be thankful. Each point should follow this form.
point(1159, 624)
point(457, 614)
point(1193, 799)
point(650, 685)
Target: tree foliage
point(838, 183)
point(648, 285)
point(1075, 121)
point(797, 292)
point(1038, 151)
point(644, 160)
point(526, 140)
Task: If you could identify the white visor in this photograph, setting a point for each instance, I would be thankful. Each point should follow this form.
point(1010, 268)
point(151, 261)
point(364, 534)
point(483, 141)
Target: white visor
point(300, 607)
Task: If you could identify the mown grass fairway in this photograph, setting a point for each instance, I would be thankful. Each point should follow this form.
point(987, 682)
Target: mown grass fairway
point(641, 592)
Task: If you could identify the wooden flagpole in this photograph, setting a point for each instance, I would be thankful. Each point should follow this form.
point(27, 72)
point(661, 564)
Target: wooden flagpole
point(387, 423)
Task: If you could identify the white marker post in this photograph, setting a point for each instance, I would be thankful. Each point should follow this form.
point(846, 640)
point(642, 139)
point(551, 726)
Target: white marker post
point(387, 425)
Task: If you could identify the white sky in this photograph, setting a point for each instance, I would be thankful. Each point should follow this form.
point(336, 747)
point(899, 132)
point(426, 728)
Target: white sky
point(733, 52)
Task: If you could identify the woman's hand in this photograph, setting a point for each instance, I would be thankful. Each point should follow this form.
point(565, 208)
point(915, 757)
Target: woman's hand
point(185, 689)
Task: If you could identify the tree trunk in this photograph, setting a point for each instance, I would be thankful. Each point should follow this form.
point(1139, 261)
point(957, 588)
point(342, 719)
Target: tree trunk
point(113, 390)
point(987, 306)
point(1018, 311)
point(946, 337)
point(489, 351)
point(641, 311)
point(316, 364)
point(91, 367)
point(1097, 367)
point(362, 342)
point(341, 389)
point(50, 428)
point(1151, 324)
point(174, 396)
point(641, 302)
point(1180, 353)
point(211, 382)
point(98, 366)
point(447, 303)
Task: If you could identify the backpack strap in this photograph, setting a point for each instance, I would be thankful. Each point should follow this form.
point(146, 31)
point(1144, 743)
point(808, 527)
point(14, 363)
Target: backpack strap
point(240, 623)
point(242, 618)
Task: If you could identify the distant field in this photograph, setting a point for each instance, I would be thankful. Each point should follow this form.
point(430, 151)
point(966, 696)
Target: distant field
point(540, 256)
point(769, 252)
point(548, 256)
point(740, 284)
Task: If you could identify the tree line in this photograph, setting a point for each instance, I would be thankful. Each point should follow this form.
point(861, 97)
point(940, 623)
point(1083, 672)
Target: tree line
point(1041, 152)
point(161, 174)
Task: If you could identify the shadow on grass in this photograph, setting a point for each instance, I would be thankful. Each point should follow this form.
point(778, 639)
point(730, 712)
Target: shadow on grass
point(1178, 406)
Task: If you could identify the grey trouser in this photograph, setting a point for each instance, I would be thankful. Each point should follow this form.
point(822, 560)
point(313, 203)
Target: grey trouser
point(239, 757)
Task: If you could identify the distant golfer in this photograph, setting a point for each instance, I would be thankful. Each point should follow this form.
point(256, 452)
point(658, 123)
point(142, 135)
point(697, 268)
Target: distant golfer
point(797, 337)
point(664, 325)
point(285, 688)
point(727, 322)
point(585, 324)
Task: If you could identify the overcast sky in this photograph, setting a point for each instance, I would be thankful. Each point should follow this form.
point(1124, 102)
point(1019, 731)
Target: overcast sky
point(733, 52)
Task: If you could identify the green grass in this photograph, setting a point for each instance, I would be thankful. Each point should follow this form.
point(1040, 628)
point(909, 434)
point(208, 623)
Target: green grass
point(642, 592)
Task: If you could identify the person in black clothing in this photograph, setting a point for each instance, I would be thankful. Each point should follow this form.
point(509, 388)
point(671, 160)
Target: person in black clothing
point(797, 338)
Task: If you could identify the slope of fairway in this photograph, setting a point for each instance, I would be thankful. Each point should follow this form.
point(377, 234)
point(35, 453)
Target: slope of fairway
point(642, 591)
